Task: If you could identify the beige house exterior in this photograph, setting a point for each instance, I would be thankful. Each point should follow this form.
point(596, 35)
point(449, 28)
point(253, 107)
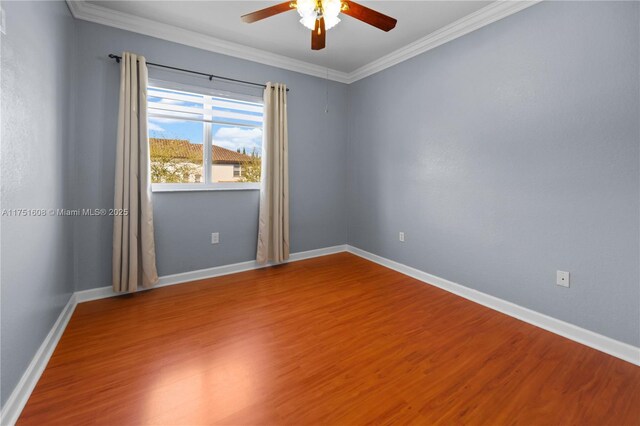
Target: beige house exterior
point(227, 165)
point(182, 160)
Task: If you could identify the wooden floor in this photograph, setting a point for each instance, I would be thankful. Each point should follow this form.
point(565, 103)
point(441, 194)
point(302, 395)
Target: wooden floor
point(335, 340)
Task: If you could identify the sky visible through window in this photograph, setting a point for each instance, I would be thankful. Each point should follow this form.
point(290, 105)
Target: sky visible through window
point(231, 136)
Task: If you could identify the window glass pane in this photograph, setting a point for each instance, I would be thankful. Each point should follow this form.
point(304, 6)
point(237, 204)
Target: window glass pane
point(232, 111)
point(181, 123)
point(174, 103)
point(237, 153)
point(176, 150)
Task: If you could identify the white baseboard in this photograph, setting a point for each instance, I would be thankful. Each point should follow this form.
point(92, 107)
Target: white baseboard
point(20, 395)
point(185, 277)
point(589, 338)
point(18, 398)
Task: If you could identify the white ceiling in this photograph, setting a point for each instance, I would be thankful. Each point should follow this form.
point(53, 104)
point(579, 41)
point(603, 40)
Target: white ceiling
point(350, 45)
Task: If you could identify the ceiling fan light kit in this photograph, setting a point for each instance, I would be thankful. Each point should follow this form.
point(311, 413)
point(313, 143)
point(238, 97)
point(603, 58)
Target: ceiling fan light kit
point(322, 15)
point(312, 10)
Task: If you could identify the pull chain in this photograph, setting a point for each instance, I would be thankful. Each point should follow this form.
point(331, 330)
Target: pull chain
point(326, 106)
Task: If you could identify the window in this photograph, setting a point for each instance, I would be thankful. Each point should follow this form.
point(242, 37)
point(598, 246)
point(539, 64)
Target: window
point(202, 140)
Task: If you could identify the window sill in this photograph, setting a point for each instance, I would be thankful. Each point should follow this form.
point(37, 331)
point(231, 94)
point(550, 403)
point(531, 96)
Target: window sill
point(198, 187)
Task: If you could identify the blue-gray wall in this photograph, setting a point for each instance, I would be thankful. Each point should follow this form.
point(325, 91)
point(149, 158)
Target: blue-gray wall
point(508, 154)
point(503, 155)
point(184, 221)
point(37, 259)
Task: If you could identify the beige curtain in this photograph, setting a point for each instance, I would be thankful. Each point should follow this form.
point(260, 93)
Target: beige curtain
point(273, 226)
point(134, 256)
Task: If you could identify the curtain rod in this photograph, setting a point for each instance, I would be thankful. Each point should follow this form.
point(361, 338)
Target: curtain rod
point(211, 76)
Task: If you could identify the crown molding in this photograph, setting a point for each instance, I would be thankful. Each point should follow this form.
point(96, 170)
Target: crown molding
point(485, 16)
point(80, 9)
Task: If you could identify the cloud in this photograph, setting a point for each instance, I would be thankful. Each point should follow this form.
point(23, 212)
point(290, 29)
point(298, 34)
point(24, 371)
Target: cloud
point(239, 133)
point(167, 120)
point(161, 100)
point(153, 127)
point(234, 138)
point(171, 102)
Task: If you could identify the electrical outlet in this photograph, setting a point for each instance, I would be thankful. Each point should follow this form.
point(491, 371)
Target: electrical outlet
point(562, 278)
point(401, 236)
point(215, 238)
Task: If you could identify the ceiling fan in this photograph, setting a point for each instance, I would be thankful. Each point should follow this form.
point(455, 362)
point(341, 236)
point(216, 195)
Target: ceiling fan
point(321, 15)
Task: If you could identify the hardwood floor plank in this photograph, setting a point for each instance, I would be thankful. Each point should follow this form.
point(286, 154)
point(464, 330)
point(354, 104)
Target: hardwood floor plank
point(330, 340)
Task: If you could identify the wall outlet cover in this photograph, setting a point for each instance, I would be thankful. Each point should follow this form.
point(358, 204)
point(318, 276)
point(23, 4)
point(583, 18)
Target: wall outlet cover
point(562, 278)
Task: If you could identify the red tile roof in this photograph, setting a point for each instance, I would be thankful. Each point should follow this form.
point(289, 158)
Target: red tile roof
point(224, 155)
point(182, 148)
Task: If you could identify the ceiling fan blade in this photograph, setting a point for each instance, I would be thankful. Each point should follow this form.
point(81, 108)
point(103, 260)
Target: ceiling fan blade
point(267, 12)
point(370, 16)
point(318, 35)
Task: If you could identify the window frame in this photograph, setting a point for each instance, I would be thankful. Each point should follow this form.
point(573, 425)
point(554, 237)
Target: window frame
point(207, 185)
